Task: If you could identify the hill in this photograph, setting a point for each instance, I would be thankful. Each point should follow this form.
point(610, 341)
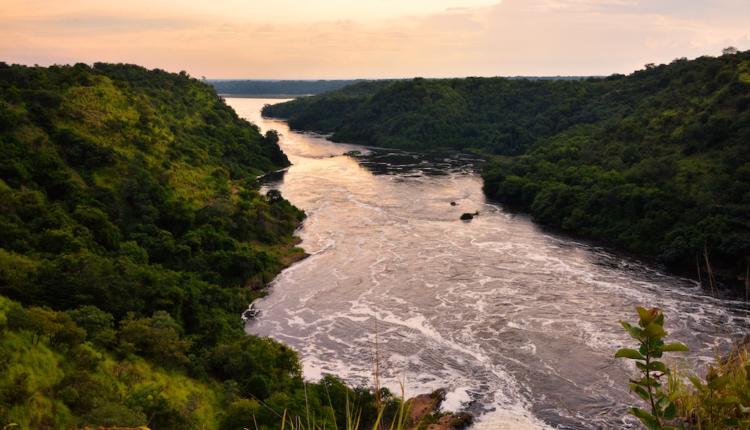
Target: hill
point(132, 237)
point(254, 87)
point(655, 162)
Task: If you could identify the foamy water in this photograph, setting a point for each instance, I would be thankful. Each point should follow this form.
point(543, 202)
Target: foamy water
point(519, 325)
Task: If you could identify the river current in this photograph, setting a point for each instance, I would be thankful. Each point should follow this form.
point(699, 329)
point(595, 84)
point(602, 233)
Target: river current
point(518, 324)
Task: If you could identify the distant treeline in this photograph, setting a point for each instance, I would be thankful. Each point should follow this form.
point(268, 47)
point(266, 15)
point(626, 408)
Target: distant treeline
point(253, 87)
point(656, 162)
point(275, 88)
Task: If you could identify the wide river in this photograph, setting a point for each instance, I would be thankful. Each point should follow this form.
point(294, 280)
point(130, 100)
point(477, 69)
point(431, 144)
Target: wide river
point(518, 324)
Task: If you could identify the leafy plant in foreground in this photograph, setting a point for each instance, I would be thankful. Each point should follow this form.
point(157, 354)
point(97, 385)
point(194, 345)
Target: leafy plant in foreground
point(650, 335)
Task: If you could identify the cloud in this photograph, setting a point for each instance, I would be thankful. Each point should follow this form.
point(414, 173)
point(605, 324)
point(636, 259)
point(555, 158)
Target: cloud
point(514, 37)
point(92, 25)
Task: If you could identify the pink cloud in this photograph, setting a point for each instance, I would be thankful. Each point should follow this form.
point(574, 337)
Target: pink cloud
point(515, 37)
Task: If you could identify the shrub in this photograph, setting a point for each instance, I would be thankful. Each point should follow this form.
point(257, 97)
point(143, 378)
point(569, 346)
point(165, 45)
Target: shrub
point(651, 347)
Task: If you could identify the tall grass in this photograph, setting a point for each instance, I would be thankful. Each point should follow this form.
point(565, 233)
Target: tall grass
point(399, 421)
point(386, 418)
point(721, 400)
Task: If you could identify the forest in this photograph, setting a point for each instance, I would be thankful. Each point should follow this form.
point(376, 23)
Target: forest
point(656, 163)
point(256, 87)
point(132, 236)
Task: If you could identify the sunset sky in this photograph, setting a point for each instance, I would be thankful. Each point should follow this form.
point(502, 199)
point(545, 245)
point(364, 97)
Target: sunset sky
point(312, 39)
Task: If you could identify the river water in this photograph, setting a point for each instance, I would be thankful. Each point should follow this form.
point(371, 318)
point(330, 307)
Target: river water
point(518, 324)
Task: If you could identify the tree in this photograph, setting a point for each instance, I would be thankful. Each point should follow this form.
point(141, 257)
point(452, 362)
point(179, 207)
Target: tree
point(99, 325)
point(240, 414)
point(729, 50)
point(157, 337)
point(56, 327)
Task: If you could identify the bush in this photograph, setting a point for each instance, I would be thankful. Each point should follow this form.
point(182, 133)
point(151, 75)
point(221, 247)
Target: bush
point(157, 338)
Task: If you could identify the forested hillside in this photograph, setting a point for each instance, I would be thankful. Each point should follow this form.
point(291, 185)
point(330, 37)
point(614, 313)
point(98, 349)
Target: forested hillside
point(257, 87)
point(656, 162)
point(132, 237)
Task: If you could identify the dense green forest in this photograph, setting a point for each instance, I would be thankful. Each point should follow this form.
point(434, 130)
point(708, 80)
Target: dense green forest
point(656, 162)
point(255, 87)
point(132, 237)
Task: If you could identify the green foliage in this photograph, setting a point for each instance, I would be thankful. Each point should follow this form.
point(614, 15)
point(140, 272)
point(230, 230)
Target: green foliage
point(51, 377)
point(493, 114)
point(276, 88)
point(650, 335)
point(133, 190)
point(45, 383)
point(132, 236)
point(656, 163)
point(98, 325)
point(259, 366)
point(42, 323)
point(660, 177)
point(722, 399)
point(240, 414)
point(157, 338)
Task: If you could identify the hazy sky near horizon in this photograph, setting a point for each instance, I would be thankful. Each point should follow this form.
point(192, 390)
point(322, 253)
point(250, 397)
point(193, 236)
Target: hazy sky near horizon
point(312, 39)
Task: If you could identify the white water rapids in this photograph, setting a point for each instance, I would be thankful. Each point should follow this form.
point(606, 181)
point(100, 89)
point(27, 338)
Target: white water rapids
point(518, 324)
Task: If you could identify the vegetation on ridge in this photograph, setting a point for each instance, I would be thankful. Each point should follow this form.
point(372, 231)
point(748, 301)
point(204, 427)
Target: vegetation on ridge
point(656, 163)
point(132, 237)
point(259, 87)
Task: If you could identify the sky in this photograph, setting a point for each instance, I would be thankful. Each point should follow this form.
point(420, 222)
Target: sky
point(330, 39)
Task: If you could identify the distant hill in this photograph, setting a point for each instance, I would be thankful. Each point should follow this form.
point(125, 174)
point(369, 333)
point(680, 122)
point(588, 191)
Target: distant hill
point(656, 162)
point(276, 88)
point(292, 88)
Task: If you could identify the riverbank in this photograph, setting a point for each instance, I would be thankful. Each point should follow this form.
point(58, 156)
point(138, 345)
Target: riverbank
point(134, 234)
point(517, 323)
point(651, 163)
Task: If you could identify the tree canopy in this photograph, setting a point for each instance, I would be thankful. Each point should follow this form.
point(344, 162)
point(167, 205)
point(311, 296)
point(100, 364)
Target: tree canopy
point(133, 234)
point(655, 162)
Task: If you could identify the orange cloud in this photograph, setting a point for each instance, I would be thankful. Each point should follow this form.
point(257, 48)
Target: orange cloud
point(515, 37)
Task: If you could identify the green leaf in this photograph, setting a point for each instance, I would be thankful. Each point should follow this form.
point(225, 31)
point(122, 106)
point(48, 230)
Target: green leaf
point(655, 366)
point(675, 347)
point(636, 333)
point(640, 391)
point(658, 366)
point(670, 411)
point(646, 418)
point(659, 318)
point(662, 402)
point(645, 315)
point(645, 382)
point(697, 382)
point(629, 353)
point(719, 382)
point(729, 400)
point(654, 330)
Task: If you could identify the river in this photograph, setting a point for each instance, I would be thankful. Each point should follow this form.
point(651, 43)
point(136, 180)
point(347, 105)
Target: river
point(518, 324)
